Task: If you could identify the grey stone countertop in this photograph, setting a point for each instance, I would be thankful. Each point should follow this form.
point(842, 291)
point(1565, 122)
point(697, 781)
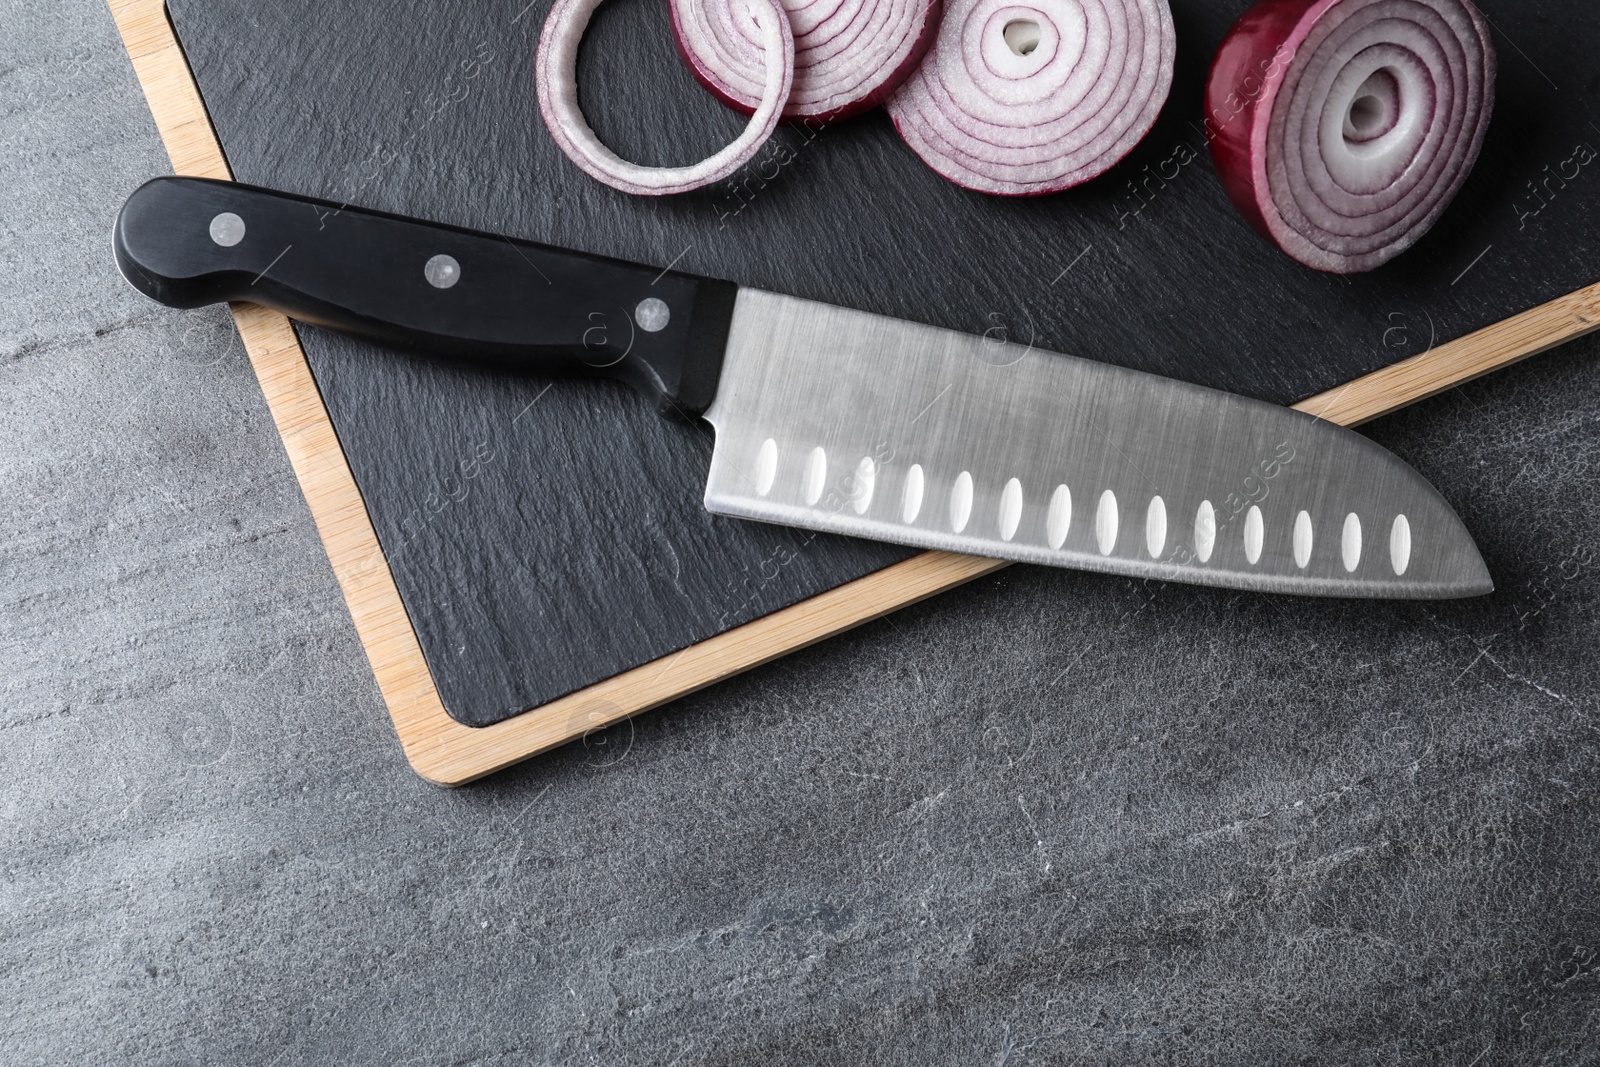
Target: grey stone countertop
point(1048, 818)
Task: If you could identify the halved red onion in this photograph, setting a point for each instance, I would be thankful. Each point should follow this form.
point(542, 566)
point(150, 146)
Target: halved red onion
point(1342, 129)
point(849, 54)
point(557, 82)
point(1025, 97)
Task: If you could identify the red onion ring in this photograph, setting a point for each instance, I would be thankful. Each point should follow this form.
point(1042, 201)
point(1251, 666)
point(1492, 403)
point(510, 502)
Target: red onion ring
point(1342, 129)
point(849, 54)
point(557, 81)
point(1026, 97)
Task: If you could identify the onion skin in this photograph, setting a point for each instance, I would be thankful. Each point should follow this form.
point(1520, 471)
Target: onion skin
point(800, 110)
point(1256, 60)
point(1255, 50)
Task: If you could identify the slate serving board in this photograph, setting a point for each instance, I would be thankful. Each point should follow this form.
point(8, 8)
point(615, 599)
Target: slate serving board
point(547, 537)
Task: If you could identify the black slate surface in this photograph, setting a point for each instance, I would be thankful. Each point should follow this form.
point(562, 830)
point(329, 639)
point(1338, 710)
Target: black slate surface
point(544, 540)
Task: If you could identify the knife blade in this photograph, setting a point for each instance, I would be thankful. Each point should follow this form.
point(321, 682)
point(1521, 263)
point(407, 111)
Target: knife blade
point(843, 421)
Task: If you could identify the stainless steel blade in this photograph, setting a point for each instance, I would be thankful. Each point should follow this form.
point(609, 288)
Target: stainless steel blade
point(852, 423)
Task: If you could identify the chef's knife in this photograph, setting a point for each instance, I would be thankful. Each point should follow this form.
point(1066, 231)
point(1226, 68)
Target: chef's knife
point(844, 421)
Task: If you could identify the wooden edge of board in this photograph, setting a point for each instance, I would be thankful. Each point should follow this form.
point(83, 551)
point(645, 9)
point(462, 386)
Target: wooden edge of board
point(1462, 360)
point(446, 752)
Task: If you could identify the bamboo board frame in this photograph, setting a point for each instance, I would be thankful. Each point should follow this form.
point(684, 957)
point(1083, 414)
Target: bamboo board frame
point(446, 752)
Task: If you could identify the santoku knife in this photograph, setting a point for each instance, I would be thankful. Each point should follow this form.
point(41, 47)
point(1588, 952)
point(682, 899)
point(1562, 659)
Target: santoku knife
point(844, 421)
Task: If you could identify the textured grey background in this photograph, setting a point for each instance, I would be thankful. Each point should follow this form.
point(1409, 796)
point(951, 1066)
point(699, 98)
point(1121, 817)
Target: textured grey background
point(1049, 818)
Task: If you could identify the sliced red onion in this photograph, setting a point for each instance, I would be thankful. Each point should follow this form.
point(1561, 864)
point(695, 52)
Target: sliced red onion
point(1342, 129)
point(849, 54)
point(557, 80)
point(1025, 97)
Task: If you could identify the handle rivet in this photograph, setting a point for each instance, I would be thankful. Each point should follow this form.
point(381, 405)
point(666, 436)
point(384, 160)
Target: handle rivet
point(227, 229)
point(442, 271)
point(652, 314)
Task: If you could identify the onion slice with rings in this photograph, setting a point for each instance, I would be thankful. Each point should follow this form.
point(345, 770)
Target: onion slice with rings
point(1342, 129)
point(1026, 97)
point(557, 83)
point(849, 54)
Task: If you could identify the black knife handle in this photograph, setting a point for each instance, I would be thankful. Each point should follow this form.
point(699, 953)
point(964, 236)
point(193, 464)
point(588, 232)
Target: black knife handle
point(428, 288)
